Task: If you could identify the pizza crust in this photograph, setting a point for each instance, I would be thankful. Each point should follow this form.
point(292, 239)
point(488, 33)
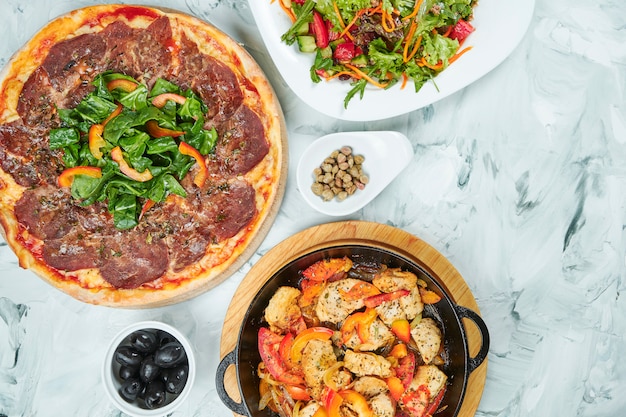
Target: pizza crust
point(268, 177)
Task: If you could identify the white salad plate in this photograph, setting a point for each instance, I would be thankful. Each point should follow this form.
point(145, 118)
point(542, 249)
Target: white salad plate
point(386, 154)
point(500, 26)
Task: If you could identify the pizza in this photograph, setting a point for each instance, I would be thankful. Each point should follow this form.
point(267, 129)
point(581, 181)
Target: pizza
point(142, 155)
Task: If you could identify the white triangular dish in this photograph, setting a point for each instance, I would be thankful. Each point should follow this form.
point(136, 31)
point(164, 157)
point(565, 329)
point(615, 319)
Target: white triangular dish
point(386, 154)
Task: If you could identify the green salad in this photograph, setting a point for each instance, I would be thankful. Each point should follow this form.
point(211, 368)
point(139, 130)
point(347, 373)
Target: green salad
point(379, 42)
point(130, 146)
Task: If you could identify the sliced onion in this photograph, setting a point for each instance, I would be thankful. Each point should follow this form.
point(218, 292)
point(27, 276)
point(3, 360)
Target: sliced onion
point(328, 376)
point(265, 399)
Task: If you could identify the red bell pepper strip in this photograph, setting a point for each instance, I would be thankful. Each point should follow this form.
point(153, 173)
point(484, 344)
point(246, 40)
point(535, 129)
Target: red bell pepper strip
point(156, 131)
point(130, 172)
point(332, 402)
point(362, 290)
point(435, 403)
point(161, 99)
point(378, 299)
point(297, 392)
point(328, 269)
point(96, 141)
point(203, 172)
point(319, 30)
point(146, 206)
point(67, 176)
point(301, 340)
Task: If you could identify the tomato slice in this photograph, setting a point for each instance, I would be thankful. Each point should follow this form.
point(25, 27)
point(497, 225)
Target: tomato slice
point(406, 369)
point(319, 30)
point(268, 345)
point(461, 30)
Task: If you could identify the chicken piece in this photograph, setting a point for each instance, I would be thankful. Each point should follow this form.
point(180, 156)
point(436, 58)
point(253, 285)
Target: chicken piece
point(379, 335)
point(382, 405)
point(427, 337)
point(394, 279)
point(333, 306)
point(310, 409)
point(370, 386)
point(317, 357)
point(424, 387)
point(282, 312)
point(362, 364)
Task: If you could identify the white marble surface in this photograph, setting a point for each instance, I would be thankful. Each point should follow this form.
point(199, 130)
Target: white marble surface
point(519, 179)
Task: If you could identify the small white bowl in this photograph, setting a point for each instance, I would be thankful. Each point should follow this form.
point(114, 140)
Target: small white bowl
point(386, 154)
point(112, 382)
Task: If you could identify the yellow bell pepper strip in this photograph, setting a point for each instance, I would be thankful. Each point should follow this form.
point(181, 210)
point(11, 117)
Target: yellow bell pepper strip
point(356, 402)
point(428, 296)
point(117, 156)
point(321, 412)
point(113, 114)
point(268, 345)
point(402, 329)
point(161, 99)
point(360, 291)
point(396, 388)
point(96, 141)
point(332, 402)
point(378, 299)
point(156, 131)
point(301, 340)
point(399, 351)
point(202, 174)
point(328, 269)
point(67, 176)
point(359, 322)
point(122, 84)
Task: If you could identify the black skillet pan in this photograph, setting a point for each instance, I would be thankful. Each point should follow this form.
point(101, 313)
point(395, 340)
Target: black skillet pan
point(459, 364)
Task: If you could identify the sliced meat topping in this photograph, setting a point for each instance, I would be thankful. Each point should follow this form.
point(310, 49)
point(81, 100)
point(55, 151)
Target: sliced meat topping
point(133, 260)
point(242, 142)
point(36, 102)
point(46, 212)
point(215, 83)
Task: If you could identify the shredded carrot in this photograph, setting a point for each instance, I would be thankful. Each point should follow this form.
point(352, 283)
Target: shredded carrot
point(435, 67)
point(338, 13)
point(416, 9)
point(337, 74)
point(409, 36)
point(352, 22)
point(416, 46)
point(287, 10)
point(365, 76)
point(458, 54)
point(447, 32)
point(387, 21)
point(405, 79)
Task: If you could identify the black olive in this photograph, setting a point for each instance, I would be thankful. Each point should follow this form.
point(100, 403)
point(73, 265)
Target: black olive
point(175, 378)
point(128, 372)
point(145, 341)
point(170, 355)
point(165, 338)
point(128, 356)
point(155, 394)
point(148, 370)
point(130, 389)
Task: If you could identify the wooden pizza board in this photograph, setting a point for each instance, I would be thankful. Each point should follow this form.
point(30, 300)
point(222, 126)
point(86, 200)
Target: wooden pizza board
point(359, 233)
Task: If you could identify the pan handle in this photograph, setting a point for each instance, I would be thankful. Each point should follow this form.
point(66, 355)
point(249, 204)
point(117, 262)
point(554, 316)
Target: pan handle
point(475, 362)
point(224, 364)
